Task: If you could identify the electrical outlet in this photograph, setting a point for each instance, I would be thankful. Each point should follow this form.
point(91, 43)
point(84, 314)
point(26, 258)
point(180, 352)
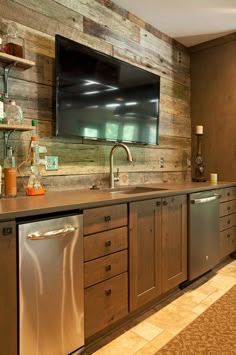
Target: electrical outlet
point(51, 162)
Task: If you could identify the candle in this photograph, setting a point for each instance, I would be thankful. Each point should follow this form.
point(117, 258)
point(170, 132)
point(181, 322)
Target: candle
point(199, 129)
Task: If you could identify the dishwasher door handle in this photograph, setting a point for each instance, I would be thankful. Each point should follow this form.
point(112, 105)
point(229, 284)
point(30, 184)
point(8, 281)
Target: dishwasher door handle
point(205, 199)
point(51, 234)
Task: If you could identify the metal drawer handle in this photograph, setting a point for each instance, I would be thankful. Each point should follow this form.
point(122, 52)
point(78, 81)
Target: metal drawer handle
point(229, 221)
point(108, 267)
point(228, 235)
point(107, 243)
point(108, 292)
point(52, 234)
point(206, 199)
point(228, 193)
point(228, 208)
point(158, 203)
point(107, 218)
point(165, 203)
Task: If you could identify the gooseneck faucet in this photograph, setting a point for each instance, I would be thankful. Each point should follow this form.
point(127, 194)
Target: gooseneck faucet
point(113, 149)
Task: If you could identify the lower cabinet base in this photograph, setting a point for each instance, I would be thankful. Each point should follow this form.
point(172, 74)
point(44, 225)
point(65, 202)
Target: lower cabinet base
point(105, 303)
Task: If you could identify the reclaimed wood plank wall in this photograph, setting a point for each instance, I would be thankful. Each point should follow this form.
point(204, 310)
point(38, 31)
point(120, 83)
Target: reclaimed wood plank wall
point(108, 28)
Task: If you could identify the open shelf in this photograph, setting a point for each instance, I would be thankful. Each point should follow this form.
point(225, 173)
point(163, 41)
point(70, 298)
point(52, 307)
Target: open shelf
point(19, 62)
point(7, 130)
point(16, 127)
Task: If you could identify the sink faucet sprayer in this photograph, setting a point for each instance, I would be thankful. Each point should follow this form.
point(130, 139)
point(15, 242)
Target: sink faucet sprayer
point(129, 157)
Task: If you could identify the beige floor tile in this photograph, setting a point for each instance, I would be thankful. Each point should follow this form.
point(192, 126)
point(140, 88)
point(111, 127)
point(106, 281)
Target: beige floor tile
point(156, 344)
point(190, 299)
point(172, 318)
point(127, 344)
point(146, 334)
point(147, 330)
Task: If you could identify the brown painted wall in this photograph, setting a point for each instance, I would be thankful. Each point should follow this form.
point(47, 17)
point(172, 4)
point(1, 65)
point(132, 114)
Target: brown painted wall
point(112, 30)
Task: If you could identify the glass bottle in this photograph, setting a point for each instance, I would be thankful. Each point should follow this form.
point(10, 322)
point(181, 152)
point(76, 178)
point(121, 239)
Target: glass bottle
point(12, 43)
point(13, 113)
point(10, 173)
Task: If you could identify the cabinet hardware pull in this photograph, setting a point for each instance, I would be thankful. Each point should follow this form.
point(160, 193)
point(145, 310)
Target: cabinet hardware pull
point(107, 218)
point(228, 235)
point(108, 267)
point(107, 243)
point(165, 203)
point(108, 292)
point(158, 203)
point(228, 208)
point(228, 193)
point(228, 222)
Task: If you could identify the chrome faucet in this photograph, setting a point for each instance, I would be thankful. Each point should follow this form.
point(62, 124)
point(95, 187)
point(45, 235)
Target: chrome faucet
point(129, 157)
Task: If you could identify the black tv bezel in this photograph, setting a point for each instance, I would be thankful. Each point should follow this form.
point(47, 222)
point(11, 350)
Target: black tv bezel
point(85, 48)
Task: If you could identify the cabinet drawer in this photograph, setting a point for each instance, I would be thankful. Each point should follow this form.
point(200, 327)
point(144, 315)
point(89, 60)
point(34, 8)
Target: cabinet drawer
point(104, 268)
point(227, 194)
point(104, 243)
point(227, 241)
point(104, 218)
point(227, 221)
point(227, 208)
point(105, 303)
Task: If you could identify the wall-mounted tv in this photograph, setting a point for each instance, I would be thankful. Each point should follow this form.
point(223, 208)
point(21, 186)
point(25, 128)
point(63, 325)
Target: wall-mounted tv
point(102, 98)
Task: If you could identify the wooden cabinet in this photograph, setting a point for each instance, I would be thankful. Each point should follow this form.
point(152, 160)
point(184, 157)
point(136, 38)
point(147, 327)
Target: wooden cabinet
point(8, 288)
point(174, 241)
point(144, 252)
point(105, 266)
point(227, 242)
point(158, 247)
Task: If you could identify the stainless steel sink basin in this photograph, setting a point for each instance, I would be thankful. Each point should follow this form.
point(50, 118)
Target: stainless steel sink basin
point(132, 190)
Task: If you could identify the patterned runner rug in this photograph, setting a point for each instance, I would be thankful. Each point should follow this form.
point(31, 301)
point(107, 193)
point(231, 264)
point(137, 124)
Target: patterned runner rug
point(212, 333)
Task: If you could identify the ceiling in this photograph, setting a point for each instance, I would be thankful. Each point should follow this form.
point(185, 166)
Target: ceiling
point(190, 22)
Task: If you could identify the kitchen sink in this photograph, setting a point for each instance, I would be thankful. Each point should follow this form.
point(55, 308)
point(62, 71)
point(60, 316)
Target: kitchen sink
point(132, 190)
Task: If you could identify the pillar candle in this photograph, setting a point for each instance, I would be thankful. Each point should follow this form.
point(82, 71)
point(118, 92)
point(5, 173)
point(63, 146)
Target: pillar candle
point(199, 130)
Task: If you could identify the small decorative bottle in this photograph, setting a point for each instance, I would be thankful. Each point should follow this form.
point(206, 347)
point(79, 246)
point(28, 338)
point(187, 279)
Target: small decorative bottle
point(10, 174)
point(13, 113)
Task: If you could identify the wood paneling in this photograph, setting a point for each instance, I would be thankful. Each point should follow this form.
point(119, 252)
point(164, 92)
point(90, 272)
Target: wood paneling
point(213, 71)
point(112, 30)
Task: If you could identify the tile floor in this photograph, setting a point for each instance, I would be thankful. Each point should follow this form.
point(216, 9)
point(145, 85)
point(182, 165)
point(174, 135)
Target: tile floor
point(148, 333)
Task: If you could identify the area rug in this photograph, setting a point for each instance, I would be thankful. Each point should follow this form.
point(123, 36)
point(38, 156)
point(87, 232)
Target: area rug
point(212, 333)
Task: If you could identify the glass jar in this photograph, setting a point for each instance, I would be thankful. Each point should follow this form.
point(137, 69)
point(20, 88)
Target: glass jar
point(13, 113)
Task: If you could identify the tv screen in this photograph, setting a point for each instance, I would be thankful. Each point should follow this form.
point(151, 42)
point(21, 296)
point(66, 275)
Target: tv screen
point(102, 98)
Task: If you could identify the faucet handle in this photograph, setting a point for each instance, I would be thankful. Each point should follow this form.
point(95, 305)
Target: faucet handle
point(117, 175)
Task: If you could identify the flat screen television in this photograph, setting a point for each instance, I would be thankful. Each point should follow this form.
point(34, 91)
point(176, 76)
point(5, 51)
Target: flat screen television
point(102, 98)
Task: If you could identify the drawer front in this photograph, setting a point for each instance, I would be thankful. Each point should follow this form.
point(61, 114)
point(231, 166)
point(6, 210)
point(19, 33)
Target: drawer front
point(227, 221)
point(227, 194)
point(104, 243)
point(227, 241)
point(104, 268)
point(104, 218)
point(105, 303)
point(227, 208)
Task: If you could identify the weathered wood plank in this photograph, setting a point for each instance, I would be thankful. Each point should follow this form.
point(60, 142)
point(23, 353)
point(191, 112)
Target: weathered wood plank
point(55, 11)
point(103, 15)
point(47, 25)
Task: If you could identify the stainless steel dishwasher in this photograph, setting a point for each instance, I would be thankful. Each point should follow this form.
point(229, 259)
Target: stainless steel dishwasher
point(51, 291)
point(203, 232)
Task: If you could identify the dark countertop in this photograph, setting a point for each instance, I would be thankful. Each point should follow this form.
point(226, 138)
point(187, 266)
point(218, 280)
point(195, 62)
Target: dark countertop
point(68, 200)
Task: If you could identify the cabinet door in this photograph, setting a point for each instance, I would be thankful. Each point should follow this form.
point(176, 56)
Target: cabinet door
point(174, 241)
point(145, 252)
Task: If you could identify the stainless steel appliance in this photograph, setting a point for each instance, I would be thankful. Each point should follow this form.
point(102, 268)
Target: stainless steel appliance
point(203, 239)
point(51, 301)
